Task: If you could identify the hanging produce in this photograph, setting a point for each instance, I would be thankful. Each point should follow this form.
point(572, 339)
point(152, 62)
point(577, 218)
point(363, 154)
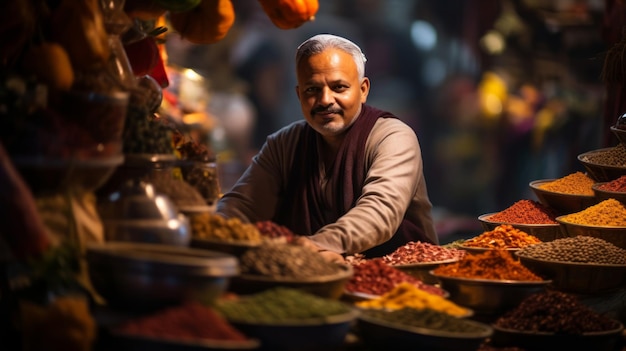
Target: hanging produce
point(289, 14)
point(207, 23)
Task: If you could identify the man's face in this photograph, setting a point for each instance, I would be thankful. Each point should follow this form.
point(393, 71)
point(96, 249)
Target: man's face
point(330, 91)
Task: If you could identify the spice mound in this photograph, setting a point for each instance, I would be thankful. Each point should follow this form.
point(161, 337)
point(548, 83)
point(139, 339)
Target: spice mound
point(375, 277)
point(525, 212)
point(280, 304)
point(407, 295)
point(191, 321)
point(609, 212)
point(616, 185)
point(214, 226)
point(421, 252)
point(577, 183)
point(580, 249)
point(286, 261)
point(503, 236)
point(272, 230)
point(490, 265)
point(555, 312)
point(425, 318)
point(614, 156)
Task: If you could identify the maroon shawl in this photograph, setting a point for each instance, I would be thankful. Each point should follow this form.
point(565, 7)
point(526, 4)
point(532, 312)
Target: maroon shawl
point(302, 209)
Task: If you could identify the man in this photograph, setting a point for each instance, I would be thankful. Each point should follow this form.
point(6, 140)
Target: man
point(349, 178)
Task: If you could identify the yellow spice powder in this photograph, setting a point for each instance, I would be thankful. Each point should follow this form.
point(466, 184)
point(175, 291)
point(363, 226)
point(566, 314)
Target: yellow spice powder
point(609, 212)
point(577, 183)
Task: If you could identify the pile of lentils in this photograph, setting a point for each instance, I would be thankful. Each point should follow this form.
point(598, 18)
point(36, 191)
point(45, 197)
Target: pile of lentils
point(580, 249)
point(615, 156)
point(525, 212)
point(421, 252)
point(426, 318)
point(553, 311)
point(280, 304)
point(286, 261)
point(616, 185)
point(375, 277)
point(504, 236)
point(609, 212)
point(577, 183)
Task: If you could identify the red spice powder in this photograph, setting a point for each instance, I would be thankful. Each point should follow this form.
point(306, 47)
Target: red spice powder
point(525, 212)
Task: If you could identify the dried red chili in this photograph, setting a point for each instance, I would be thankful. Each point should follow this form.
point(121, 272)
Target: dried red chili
point(421, 252)
point(492, 264)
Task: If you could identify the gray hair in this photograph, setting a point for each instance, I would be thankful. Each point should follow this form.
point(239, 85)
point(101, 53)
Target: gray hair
point(318, 43)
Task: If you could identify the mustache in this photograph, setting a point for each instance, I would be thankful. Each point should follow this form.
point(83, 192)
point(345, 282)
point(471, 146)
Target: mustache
point(326, 109)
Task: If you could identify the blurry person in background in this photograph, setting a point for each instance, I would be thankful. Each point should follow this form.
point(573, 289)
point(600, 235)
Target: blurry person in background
point(349, 177)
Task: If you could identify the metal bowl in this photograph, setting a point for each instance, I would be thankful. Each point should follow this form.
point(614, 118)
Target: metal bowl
point(541, 341)
point(612, 234)
point(620, 134)
point(135, 199)
point(380, 335)
point(576, 277)
point(174, 231)
point(602, 195)
point(561, 202)
point(311, 334)
point(486, 296)
point(543, 232)
point(146, 276)
point(329, 286)
point(234, 247)
point(599, 172)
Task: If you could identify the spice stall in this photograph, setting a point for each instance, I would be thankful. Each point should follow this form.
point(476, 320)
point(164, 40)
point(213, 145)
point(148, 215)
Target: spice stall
point(85, 117)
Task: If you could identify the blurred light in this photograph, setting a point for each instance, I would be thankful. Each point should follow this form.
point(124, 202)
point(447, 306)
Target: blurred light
point(423, 35)
point(493, 42)
point(434, 71)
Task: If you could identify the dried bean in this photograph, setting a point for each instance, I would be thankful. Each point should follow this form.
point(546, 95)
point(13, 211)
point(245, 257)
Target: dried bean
point(615, 156)
point(581, 249)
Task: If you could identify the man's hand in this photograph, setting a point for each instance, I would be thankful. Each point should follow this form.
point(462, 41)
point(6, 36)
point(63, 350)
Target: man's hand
point(328, 255)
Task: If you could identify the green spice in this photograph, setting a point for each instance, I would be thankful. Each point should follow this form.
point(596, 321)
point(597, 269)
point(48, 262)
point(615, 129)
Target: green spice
point(424, 318)
point(279, 305)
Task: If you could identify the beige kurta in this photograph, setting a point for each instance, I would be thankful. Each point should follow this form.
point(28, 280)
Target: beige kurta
point(394, 185)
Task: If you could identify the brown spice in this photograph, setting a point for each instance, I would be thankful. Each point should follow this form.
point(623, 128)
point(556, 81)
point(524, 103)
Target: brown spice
point(525, 212)
point(609, 212)
point(503, 236)
point(491, 265)
point(577, 183)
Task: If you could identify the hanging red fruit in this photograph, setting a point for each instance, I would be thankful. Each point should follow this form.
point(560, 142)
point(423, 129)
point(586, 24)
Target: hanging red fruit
point(289, 14)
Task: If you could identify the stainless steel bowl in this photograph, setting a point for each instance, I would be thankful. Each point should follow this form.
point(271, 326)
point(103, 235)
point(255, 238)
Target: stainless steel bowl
point(175, 231)
point(489, 297)
point(147, 276)
point(136, 200)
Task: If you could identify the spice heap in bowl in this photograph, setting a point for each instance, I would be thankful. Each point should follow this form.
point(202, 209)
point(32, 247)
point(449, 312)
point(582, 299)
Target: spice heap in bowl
point(488, 283)
point(605, 164)
point(605, 220)
point(373, 277)
point(503, 237)
point(580, 264)
point(284, 318)
point(615, 189)
point(214, 232)
point(529, 216)
point(551, 318)
point(406, 295)
point(288, 265)
point(568, 194)
point(423, 329)
point(417, 258)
